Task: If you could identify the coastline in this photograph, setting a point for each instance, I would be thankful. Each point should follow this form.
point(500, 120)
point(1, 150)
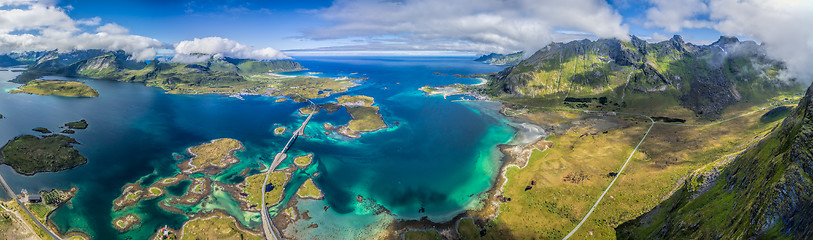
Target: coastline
point(515, 153)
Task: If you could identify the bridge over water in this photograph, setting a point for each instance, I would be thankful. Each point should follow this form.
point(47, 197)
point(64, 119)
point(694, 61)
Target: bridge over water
point(269, 231)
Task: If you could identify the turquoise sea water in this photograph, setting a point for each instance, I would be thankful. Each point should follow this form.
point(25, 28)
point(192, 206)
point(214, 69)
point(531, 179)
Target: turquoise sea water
point(436, 154)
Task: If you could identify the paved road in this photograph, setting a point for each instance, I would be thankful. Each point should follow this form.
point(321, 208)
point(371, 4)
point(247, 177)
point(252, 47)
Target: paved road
point(613, 182)
point(269, 230)
point(636, 147)
point(11, 194)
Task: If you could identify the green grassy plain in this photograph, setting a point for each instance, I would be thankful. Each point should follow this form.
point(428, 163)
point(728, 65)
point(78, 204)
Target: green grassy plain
point(568, 178)
point(59, 88)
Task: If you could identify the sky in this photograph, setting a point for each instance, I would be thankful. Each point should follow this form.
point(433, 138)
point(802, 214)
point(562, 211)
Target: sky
point(280, 29)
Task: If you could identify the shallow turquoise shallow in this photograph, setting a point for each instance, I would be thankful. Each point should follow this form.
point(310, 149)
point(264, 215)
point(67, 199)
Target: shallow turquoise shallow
point(437, 154)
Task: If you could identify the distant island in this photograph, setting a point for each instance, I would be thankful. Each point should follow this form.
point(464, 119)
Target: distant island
point(501, 59)
point(56, 87)
point(29, 154)
point(213, 75)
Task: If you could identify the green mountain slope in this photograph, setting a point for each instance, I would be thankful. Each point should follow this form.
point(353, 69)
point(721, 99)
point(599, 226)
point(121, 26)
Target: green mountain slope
point(705, 79)
point(766, 192)
point(501, 59)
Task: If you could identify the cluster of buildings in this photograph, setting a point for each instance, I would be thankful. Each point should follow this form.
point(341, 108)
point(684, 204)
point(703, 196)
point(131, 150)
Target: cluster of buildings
point(31, 198)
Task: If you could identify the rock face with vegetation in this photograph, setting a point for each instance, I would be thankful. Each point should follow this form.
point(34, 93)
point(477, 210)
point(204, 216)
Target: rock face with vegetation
point(29, 154)
point(705, 79)
point(501, 59)
point(766, 192)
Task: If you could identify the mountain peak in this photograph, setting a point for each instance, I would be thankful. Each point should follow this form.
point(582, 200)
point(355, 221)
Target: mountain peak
point(677, 38)
point(726, 40)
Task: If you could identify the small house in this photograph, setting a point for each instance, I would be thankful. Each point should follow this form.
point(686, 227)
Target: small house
point(24, 195)
point(34, 198)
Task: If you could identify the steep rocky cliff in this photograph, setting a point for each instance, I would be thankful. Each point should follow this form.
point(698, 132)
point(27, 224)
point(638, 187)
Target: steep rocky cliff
point(705, 79)
point(765, 192)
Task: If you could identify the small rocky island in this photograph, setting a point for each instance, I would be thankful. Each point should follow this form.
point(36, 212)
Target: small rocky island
point(29, 154)
point(197, 173)
point(304, 160)
point(81, 124)
point(310, 190)
point(41, 130)
point(280, 130)
point(213, 156)
point(365, 116)
point(126, 222)
point(56, 87)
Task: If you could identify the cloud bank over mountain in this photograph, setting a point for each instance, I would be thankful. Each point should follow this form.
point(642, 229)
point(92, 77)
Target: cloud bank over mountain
point(782, 25)
point(501, 26)
point(27, 25)
point(30, 25)
point(469, 25)
point(189, 51)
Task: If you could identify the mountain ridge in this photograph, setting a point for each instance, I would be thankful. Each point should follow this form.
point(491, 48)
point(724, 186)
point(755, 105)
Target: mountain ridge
point(119, 66)
point(703, 78)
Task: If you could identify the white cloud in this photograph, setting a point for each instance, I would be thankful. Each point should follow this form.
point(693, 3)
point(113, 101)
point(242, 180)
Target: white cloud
point(186, 51)
point(90, 21)
point(4, 3)
point(28, 25)
point(783, 25)
point(675, 15)
point(470, 25)
point(655, 37)
point(112, 28)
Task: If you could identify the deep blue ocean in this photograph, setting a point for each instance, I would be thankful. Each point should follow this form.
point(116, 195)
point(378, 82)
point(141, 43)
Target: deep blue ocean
point(436, 154)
